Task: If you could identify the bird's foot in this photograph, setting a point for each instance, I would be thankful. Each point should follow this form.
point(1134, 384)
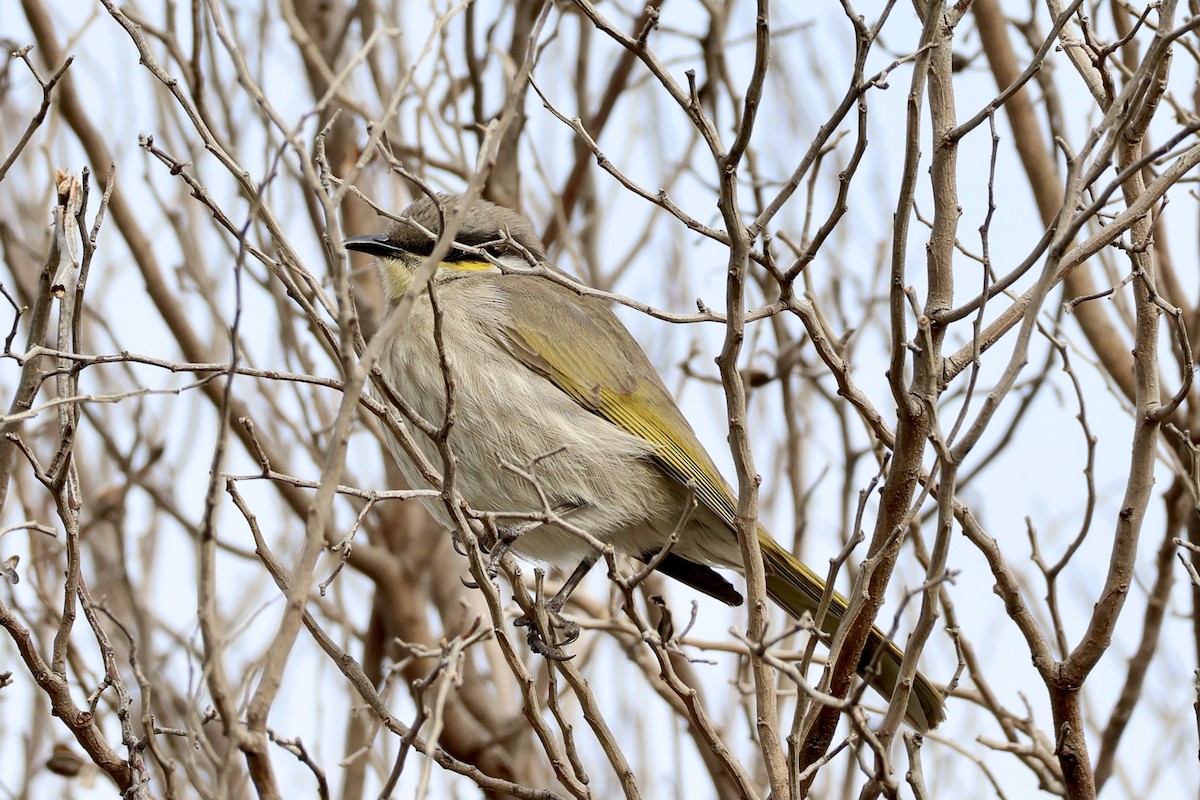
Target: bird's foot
point(569, 631)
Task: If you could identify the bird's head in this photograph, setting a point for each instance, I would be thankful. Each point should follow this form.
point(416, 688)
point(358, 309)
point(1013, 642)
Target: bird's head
point(489, 237)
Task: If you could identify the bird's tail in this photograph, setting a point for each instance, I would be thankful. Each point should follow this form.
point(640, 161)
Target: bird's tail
point(797, 589)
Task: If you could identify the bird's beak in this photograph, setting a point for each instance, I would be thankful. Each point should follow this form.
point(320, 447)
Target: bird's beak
point(375, 244)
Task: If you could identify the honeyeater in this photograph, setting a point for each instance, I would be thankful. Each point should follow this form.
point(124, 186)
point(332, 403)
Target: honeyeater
point(556, 405)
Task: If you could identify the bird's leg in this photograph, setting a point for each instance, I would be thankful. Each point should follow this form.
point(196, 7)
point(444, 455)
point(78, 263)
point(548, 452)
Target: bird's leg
point(559, 601)
point(554, 607)
point(505, 536)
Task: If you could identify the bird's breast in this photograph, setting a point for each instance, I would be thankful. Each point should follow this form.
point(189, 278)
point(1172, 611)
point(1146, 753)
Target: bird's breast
point(518, 438)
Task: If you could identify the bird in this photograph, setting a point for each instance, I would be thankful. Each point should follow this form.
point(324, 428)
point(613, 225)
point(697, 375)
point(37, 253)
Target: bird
point(556, 405)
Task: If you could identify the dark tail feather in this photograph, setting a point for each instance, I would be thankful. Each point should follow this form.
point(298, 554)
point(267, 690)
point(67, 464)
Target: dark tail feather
point(797, 589)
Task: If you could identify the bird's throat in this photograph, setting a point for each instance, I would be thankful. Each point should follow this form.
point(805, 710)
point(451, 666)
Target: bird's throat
point(396, 276)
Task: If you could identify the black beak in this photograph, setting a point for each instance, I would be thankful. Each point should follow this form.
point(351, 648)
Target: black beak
point(375, 244)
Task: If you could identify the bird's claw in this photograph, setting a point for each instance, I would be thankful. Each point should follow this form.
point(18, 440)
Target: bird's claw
point(539, 646)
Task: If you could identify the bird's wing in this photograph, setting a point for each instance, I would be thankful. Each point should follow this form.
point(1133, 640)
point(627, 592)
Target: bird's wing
point(594, 359)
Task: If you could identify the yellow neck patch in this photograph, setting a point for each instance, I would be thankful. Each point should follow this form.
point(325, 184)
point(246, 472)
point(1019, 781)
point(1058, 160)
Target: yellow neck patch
point(465, 266)
point(397, 274)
